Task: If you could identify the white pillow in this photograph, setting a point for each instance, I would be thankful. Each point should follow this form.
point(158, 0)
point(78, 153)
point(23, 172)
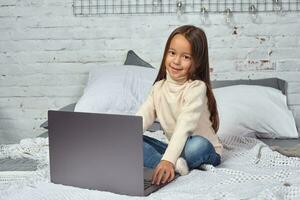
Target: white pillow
point(116, 89)
point(251, 110)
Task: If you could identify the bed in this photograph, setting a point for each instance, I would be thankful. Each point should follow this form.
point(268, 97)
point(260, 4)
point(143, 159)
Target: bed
point(250, 167)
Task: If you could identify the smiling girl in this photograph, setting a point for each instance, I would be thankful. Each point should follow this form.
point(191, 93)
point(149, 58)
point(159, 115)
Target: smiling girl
point(182, 100)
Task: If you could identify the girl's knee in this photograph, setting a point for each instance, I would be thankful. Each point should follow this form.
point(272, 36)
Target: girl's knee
point(198, 144)
point(196, 150)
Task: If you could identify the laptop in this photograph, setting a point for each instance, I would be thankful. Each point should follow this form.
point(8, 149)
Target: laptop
point(99, 151)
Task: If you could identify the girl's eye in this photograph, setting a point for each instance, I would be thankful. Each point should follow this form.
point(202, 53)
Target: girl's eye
point(171, 52)
point(187, 57)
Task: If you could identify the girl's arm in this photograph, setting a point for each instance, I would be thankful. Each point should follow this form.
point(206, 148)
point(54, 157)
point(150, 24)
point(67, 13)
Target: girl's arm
point(187, 120)
point(147, 111)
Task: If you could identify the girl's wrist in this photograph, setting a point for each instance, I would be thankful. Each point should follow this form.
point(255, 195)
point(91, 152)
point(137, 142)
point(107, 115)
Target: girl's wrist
point(168, 162)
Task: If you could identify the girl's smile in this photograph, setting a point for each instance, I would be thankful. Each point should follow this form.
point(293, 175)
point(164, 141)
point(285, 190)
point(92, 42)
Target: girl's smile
point(175, 70)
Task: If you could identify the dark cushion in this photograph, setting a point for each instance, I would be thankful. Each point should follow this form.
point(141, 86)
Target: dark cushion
point(269, 82)
point(69, 107)
point(133, 59)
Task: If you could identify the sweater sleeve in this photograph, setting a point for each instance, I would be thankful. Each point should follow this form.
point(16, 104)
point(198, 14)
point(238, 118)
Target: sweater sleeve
point(147, 111)
point(187, 120)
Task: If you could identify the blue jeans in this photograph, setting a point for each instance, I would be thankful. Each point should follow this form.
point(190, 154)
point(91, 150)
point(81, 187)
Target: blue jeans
point(197, 151)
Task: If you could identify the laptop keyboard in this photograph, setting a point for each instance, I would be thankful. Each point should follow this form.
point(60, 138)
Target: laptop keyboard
point(147, 183)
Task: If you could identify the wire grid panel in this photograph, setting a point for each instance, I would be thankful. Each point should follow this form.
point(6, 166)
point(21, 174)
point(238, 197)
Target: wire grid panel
point(141, 7)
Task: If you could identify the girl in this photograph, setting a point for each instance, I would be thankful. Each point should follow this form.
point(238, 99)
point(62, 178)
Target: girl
point(183, 102)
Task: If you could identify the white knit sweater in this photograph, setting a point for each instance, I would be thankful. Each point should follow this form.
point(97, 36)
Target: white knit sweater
point(182, 110)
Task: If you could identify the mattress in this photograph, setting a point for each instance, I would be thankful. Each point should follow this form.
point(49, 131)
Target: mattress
point(249, 170)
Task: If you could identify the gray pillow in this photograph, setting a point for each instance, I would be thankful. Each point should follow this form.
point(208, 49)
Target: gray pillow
point(269, 82)
point(69, 107)
point(133, 59)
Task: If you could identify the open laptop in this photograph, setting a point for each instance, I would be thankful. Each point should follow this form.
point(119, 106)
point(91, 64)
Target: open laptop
point(99, 151)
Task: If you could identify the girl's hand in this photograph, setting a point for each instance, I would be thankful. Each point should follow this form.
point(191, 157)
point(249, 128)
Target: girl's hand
point(163, 172)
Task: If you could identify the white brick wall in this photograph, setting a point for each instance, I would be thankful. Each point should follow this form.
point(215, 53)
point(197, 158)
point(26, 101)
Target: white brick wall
point(46, 53)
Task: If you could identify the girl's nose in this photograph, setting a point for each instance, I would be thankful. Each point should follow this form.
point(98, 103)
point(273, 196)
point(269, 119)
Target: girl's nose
point(176, 60)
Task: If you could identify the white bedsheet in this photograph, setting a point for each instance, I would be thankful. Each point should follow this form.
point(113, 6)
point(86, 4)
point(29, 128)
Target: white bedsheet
point(249, 170)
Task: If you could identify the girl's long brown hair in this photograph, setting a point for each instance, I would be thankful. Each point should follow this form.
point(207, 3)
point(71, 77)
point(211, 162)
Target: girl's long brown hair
point(200, 66)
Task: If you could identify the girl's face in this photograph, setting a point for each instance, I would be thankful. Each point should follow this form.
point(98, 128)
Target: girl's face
point(179, 58)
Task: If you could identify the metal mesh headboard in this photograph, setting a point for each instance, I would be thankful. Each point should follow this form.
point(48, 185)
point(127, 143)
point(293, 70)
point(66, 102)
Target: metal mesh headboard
point(140, 7)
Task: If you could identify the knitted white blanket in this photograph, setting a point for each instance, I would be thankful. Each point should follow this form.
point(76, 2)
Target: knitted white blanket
point(249, 170)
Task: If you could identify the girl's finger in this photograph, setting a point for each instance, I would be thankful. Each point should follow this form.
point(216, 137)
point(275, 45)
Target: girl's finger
point(154, 175)
point(166, 177)
point(172, 176)
point(159, 176)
